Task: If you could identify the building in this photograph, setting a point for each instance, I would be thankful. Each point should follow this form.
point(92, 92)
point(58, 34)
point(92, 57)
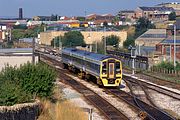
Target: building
point(41, 18)
point(21, 22)
point(174, 5)
point(16, 57)
point(34, 23)
point(151, 37)
point(166, 48)
point(170, 28)
point(98, 20)
point(154, 13)
point(20, 13)
point(90, 37)
point(4, 32)
point(126, 14)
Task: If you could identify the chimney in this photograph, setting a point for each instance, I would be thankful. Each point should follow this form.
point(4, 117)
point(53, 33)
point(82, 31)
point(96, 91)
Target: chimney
point(20, 13)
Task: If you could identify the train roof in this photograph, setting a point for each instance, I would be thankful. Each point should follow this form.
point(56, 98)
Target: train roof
point(90, 55)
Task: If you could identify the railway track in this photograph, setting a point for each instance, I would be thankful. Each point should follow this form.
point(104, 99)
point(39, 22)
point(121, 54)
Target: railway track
point(108, 110)
point(155, 80)
point(145, 111)
point(154, 87)
point(153, 110)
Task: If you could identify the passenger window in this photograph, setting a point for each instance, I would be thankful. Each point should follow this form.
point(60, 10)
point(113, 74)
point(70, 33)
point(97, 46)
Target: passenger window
point(104, 68)
point(118, 67)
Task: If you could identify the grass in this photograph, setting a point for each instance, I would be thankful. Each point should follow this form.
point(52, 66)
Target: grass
point(60, 109)
point(162, 76)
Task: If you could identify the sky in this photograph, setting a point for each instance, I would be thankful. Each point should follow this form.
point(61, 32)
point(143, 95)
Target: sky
point(71, 7)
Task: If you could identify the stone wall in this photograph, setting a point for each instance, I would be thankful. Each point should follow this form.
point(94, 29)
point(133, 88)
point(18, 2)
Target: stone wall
point(89, 36)
point(26, 111)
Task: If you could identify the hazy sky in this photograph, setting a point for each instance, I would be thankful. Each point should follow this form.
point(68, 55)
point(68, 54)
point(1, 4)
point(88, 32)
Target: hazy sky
point(71, 7)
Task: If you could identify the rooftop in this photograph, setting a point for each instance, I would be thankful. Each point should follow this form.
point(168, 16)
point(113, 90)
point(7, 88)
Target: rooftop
point(170, 40)
point(156, 8)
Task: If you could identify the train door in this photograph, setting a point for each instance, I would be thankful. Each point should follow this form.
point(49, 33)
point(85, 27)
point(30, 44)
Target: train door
point(111, 69)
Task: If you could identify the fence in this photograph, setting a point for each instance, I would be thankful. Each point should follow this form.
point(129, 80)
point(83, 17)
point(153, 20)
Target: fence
point(165, 71)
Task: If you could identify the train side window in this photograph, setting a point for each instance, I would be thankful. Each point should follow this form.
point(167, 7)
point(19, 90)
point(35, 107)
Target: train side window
point(118, 67)
point(104, 68)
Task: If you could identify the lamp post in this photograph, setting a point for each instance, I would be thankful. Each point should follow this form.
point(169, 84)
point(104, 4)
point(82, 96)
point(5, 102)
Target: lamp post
point(105, 40)
point(174, 45)
point(133, 56)
point(60, 45)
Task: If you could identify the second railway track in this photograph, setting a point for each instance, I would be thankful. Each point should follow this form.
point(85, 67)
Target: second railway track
point(109, 110)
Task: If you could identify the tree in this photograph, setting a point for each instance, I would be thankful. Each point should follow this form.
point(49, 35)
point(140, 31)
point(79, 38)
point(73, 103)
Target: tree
point(143, 24)
point(81, 18)
point(27, 33)
point(172, 16)
point(72, 39)
point(105, 24)
point(56, 41)
point(112, 40)
point(130, 41)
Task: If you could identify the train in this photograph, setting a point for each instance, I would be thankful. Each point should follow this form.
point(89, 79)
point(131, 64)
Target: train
point(105, 68)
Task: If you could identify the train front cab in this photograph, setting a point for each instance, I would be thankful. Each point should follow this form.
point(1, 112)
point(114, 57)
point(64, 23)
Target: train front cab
point(111, 72)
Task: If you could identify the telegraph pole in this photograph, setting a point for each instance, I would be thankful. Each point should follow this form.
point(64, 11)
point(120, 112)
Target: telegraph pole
point(33, 51)
point(174, 45)
point(105, 40)
point(60, 45)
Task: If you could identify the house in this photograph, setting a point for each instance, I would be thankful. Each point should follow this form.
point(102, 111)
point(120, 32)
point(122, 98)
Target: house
point(21, 22)
point(174, 5)
point(34, 23)
point(98, 20)
point(41, 18)
point(154, 13)
point(5, 32)
point(8, 22)
point(126, 14)
point(170, 28)
point(166, 48)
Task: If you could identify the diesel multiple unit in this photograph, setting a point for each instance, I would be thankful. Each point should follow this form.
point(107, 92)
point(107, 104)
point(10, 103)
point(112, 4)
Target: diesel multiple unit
point(106, 69)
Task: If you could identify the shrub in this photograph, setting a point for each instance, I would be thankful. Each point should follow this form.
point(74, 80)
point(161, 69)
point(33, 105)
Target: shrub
point(19, 85)
point(12, 93)
point(168, 65)
point(37, 79)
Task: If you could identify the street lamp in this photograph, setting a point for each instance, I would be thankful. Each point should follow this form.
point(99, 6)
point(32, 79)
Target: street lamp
point(60, 44)
point(133, 56)
point(105, 41)
point(174, 45)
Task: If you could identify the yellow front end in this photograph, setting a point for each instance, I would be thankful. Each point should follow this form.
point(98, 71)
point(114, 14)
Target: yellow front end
point(111, 72)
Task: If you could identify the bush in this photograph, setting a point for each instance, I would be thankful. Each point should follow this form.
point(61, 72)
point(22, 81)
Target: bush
point(19, 85)
point(168, 65)
point(37, 79)
point(12, 93)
